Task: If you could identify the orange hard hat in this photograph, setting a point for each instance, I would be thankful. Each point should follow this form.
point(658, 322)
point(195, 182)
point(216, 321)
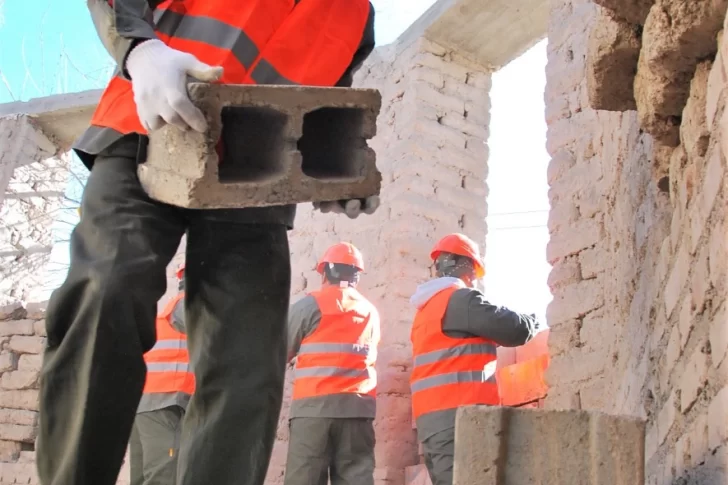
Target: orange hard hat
point(180, 270)
point(342, 253)
point(461, 245)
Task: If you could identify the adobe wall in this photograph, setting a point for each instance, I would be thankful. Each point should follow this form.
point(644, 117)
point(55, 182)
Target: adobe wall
point(431, 149)
point(638, 230)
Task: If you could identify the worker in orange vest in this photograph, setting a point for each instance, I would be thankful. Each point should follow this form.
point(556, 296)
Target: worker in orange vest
point(333, 334)
point(454, 338)
point(170, 383)
point(100, 322)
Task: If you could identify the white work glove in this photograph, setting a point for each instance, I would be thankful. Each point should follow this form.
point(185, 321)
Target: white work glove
point(159, 80)
point(351, 208)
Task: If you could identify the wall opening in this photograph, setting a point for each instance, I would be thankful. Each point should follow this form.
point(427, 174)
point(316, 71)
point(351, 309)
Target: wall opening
point(518, 205)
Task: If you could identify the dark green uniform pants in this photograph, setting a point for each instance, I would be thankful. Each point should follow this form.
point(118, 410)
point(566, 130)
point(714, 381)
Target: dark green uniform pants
point(439, 452)
point(157, 445)
point(341, 449)
point(101, 321)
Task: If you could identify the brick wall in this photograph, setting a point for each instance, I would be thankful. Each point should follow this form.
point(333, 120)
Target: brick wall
point(431, 151)
point(638, 241)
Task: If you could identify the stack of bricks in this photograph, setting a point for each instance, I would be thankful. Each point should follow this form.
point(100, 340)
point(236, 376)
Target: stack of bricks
point(638, 227)
point(431, 150)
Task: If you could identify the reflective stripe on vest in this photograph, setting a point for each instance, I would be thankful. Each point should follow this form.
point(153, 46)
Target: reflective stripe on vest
point(339, 356)
point(168, 363)
point(256, 42)
point(448, 372)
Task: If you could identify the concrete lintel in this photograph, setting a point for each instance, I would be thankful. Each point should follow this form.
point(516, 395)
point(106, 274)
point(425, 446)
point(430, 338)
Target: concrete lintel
point(489, 32)
point(62, 117)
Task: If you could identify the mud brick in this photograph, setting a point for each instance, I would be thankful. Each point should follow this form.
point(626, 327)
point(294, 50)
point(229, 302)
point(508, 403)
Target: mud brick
point(282, 145)
point(508, 446)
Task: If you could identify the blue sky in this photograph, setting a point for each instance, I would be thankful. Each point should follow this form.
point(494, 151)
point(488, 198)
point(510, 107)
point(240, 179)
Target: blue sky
point(50, 47)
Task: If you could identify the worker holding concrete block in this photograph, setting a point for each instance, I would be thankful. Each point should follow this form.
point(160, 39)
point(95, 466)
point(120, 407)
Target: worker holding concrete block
point(454, 339)
point(333, 334)
point(170, 383)
point(101, 321)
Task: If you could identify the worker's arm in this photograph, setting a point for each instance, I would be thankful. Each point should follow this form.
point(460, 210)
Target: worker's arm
point(366, 46)
point(121, 24)
point(470, 314)
point(177, 319)
point(303, 318)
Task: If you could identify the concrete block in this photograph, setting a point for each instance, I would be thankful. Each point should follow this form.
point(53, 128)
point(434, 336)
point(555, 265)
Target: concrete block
point(281, 145)
point(509, 446)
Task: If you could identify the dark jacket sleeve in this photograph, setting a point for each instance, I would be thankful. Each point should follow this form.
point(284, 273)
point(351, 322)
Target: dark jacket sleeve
point(470, 314)
point(120, 24)
point(366, 46)
point(303, 318)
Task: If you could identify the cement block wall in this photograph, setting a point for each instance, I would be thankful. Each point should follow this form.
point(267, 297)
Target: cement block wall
point(638, 249)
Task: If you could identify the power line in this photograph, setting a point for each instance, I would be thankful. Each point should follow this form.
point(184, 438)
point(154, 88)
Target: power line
point(541, 211)
point(510, 228)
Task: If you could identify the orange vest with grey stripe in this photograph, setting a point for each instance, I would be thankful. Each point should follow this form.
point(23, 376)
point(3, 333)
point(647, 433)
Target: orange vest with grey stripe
point(339, 356)
point(448, 372)
point(309, 42)
point(168, 361)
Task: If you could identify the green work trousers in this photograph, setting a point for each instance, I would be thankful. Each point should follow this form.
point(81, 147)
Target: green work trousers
point(157, 445)
point(340, 449)
point(101, 321)
point(439, 452)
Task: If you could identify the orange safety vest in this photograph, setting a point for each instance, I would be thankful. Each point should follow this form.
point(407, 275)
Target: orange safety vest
point(339, 356)
point(448, 372)
point(256, 42)
point(168, 361)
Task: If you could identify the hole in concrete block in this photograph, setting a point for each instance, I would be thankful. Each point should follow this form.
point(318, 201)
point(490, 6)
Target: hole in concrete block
point(330, 142)
point(253, 144)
